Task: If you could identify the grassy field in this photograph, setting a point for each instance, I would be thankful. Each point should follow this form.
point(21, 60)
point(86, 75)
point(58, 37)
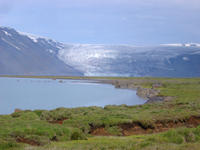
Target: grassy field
point(164, 125)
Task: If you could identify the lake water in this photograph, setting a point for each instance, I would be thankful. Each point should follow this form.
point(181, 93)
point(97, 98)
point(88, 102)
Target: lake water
point(26, 93)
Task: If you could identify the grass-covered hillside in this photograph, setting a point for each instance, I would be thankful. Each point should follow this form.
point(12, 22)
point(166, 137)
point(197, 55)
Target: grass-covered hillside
point(171, 124)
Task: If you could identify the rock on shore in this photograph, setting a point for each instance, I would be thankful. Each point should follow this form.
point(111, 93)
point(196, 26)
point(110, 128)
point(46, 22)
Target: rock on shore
point(147, 93)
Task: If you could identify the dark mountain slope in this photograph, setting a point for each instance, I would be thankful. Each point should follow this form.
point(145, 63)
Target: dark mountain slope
point(22, 55)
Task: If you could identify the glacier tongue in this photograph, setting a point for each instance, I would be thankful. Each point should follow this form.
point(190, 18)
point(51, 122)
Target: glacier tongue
point(83, 57)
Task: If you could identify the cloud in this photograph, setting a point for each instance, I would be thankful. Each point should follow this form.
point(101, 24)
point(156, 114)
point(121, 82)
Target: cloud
point(6, 5)
point(125, 19)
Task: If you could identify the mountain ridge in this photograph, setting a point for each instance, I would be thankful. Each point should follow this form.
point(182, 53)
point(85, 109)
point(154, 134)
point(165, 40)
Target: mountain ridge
point(20, 55)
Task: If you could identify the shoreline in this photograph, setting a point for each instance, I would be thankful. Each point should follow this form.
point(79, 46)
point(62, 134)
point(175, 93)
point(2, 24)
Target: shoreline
point(151, 95)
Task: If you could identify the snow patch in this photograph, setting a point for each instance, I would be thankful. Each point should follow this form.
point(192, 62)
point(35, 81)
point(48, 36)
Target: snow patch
point(182, 44)
point(185, 58)
point(30, 36)
point(192, 44)
point(175, 44)
point(35, 38)
point(51, 51)
point(8, 34)
point(10, 44)
point(44, 40)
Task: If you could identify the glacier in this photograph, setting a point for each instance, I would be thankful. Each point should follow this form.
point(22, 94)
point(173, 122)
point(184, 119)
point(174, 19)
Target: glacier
point(127, 60)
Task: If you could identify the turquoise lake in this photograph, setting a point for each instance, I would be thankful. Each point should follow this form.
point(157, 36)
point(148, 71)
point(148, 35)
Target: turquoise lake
point(28, 93)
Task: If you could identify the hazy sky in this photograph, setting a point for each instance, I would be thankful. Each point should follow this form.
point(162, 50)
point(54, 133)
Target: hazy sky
point(137, 22)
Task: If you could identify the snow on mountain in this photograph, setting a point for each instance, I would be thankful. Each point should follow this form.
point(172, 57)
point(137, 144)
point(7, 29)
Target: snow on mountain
point(25, 54)
point(7, 33)
point(31, 36)
point(183, 45)
point(45, 40)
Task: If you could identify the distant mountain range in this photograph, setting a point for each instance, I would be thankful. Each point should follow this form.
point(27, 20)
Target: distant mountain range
point(25, 54)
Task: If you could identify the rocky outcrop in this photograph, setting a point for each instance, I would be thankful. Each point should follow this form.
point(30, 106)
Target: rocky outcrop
point(147, 93)
point(127, 84)
point(152, 95)
point(158, 99)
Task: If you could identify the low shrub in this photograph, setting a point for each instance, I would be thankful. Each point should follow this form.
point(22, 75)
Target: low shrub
point(172, 136)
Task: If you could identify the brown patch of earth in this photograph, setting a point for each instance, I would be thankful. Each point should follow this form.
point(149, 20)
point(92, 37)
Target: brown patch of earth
point(17, 110)
point(58, 121)
point(159, 126)
point(27, 141)
point(100, 131)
